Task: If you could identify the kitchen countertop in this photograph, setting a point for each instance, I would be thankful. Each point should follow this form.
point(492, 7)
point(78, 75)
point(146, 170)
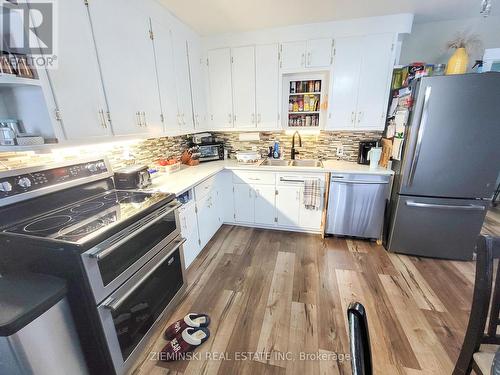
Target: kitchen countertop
point(189, 177)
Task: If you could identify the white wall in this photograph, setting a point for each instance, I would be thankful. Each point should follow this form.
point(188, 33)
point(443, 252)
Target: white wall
point(427, 41)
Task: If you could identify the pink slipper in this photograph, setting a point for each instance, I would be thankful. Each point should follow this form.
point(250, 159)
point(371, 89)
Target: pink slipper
point(190, 320)
point(184, 343)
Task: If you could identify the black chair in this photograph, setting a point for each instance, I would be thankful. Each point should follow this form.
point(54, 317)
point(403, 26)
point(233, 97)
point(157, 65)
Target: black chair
point(361, 358)
point(485, 302)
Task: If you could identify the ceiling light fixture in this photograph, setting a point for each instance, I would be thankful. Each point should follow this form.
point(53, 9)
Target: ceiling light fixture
point(485, 8)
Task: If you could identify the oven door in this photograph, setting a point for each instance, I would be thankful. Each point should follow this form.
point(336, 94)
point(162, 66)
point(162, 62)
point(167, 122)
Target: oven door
point(131, 314)
point(209, 152)
point(112, 262)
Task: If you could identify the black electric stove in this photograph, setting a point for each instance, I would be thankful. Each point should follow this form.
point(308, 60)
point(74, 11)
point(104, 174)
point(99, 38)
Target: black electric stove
point(117, 249)
point(87, 219)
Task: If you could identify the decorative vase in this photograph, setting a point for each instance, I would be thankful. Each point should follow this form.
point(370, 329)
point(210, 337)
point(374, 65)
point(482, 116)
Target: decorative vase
point(457, 64)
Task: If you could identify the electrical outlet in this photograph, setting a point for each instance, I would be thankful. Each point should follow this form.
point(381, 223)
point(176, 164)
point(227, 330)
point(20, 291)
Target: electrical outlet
point(340, 150)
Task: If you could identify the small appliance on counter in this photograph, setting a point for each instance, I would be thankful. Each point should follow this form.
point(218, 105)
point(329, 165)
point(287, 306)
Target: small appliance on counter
point(12, 133)
point(203, 138)
point(209, 148)
point(132, 177)
point(364, 149)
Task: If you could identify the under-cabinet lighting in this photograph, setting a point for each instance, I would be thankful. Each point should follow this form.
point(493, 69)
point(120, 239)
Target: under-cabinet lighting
point(303, 131)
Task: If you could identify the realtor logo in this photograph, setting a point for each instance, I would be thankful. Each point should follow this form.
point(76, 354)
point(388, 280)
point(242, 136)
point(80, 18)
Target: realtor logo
point(29, 29)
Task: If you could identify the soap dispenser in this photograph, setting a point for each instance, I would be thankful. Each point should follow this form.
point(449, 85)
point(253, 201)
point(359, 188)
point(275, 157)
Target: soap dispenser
point(276, 150)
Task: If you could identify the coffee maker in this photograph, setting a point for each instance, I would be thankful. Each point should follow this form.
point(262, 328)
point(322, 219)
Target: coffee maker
point(364, 148)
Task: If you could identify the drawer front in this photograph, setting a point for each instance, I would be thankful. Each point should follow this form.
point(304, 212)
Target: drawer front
point(250, 177)
point(298, 178)
point(204, 188)
point(437, 227)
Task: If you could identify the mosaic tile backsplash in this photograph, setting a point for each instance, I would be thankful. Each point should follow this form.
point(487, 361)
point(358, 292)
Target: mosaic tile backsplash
point(319, 146)
point(120, 154)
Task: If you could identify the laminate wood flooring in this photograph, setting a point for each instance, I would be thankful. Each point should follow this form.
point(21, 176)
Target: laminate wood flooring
point(278, 305)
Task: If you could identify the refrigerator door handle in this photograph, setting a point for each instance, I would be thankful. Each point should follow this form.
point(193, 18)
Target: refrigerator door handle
point(472, 207)
point(420, 134)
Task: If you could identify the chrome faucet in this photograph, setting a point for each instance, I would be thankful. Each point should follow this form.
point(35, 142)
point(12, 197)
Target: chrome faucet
point(294, 152)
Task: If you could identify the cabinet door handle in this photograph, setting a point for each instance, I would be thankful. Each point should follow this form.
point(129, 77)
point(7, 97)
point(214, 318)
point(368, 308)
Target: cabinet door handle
point(297, 195)
point(253, 118)
point(360, 115)
point(102, 118)
point(230, 117)
point(309, 58)
point(139, 121)
point(234, 118)
point(303, 60)
point(353, 117)
point(258, 118)
point(144, 122)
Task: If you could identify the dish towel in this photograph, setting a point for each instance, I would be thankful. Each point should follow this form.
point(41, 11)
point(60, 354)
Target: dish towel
point(312, 194)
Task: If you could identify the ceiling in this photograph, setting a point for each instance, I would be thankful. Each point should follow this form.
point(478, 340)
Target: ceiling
point(210, 17)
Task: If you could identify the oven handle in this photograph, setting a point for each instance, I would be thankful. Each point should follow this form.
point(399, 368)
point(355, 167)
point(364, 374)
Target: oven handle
point(103, 253)
point(114, 304)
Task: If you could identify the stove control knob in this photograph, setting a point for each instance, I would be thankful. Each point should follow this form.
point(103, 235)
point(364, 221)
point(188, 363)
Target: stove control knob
point(92, 167)
point(5, 186)
point(24, 182)
point(102, 166)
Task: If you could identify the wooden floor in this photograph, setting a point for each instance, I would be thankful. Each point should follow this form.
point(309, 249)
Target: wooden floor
point(279, 294)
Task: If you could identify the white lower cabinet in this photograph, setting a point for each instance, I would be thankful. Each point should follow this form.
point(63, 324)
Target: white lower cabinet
point(265, 204)
point(248, 198)
point(209, 220)
point(189, 230)
point(254, 204)
point(244, 208)
point(288, 206)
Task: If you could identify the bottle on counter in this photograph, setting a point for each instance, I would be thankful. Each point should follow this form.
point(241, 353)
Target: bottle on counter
point(276, 150)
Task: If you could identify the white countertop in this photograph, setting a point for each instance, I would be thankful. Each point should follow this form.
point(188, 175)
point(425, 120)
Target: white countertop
point(189, 177)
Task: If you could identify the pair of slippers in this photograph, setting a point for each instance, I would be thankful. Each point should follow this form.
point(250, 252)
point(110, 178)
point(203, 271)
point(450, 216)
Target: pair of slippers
point(184, 336)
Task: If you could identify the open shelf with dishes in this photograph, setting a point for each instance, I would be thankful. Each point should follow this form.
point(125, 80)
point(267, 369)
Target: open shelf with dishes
point(304, 98)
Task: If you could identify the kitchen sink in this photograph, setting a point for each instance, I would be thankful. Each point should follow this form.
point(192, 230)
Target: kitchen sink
point(307, 163)
point(275, 163)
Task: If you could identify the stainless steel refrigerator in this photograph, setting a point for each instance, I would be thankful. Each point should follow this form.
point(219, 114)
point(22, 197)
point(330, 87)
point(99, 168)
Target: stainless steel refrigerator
point(451, 160)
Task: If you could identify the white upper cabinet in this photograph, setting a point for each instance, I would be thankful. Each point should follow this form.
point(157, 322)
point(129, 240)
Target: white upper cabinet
point(345, 75)
point(182, 82)
point(199, 77)
point(319, 52)
point(313, 53)
point(166, 75)
point(219, 75)
point(76, 83)
point(375, 81)
point(293, 55)
point(243, 75)
point(361, 82)
point(267, 86)
point(126, 55)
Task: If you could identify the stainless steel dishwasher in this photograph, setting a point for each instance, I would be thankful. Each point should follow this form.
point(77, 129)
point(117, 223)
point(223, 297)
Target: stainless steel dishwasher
point(356, 204)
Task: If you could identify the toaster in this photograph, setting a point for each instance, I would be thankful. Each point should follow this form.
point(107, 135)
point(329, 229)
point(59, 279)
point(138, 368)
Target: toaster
point(132, 177)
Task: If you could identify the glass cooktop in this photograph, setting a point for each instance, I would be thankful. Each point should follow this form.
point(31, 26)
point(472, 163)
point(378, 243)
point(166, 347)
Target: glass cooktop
point(86, 219)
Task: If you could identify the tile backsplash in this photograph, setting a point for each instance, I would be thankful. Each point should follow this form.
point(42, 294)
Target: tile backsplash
point(321, 146)
point(145, 151)
point(318, 146)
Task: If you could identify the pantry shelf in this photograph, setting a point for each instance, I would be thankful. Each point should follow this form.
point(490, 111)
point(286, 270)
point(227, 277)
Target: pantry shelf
point(8, 80)
point(304, 113)
point(305, 93)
